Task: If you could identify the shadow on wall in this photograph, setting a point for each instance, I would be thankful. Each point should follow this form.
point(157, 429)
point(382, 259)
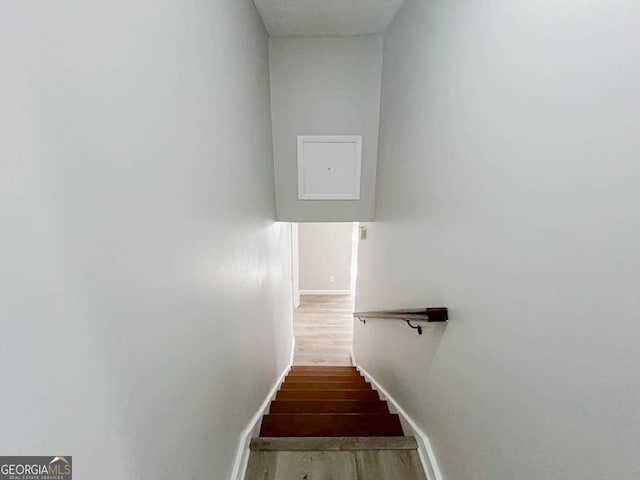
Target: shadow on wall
point(371, 341)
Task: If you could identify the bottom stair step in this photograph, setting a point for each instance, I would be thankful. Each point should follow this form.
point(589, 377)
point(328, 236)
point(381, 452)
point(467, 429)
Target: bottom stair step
point(331, 444)
point(331, 425)
point(340, 465)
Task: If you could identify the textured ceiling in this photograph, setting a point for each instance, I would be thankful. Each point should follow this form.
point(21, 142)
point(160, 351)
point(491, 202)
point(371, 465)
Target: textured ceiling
point(314, 18)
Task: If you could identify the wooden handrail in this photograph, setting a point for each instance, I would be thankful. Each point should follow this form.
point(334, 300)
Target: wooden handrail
point(433, 314)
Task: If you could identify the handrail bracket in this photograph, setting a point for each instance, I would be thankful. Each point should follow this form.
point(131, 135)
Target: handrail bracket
point(416, 327)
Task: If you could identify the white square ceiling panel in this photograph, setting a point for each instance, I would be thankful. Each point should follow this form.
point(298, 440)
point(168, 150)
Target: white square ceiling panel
point(329, 167)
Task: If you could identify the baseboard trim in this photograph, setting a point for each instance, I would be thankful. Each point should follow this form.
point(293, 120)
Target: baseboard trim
point(242, 454)
point(426, 453)
point(325, 292)
point(293, 350)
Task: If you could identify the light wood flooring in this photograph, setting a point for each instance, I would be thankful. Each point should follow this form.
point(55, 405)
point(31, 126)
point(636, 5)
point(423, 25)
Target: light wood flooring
point(323, 327)
point(335, 459)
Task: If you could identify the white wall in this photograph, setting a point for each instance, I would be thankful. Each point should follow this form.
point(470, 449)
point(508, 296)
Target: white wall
point(325, 251)
point(509, 190)
point(295, 264)
point(324, 86)
point(145, 293)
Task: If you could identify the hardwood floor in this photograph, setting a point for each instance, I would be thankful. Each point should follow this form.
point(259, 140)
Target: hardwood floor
point(323, 327)
point(336, 464)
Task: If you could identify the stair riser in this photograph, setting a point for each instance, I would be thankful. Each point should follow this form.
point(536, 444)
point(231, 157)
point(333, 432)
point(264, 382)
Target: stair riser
point(324, 378)
point(328, 406)
point(287, 394)
point(323, 374)
point(333, 444)
point(327, 386)
point(328, 425)
point(320, 368)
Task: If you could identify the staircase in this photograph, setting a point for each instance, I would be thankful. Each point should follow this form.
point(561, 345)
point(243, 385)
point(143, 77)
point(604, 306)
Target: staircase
point(328, 423)
point(328, 402)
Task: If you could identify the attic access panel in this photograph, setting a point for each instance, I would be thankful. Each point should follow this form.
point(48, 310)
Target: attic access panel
point(329, 167)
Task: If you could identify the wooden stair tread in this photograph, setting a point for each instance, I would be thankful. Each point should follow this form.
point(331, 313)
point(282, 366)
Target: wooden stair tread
point(329, 406)
point(321, 368)
point(331, 425)
point(326, 386)
point(324, 378)
point(316, 394)
point(320, 373)
point(332, 444)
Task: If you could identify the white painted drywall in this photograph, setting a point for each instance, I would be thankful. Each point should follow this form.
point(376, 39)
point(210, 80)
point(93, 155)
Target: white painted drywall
point(145, 298)
point(325, 251)
point(295, 264)
point(509, 190)
point(340, 18)
point(324, 86)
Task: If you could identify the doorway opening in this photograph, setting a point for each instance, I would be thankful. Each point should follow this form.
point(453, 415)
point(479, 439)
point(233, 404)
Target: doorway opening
point(324, 282)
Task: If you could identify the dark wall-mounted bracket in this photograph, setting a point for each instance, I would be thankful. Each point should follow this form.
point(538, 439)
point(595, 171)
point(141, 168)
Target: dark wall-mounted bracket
point(416, 327)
